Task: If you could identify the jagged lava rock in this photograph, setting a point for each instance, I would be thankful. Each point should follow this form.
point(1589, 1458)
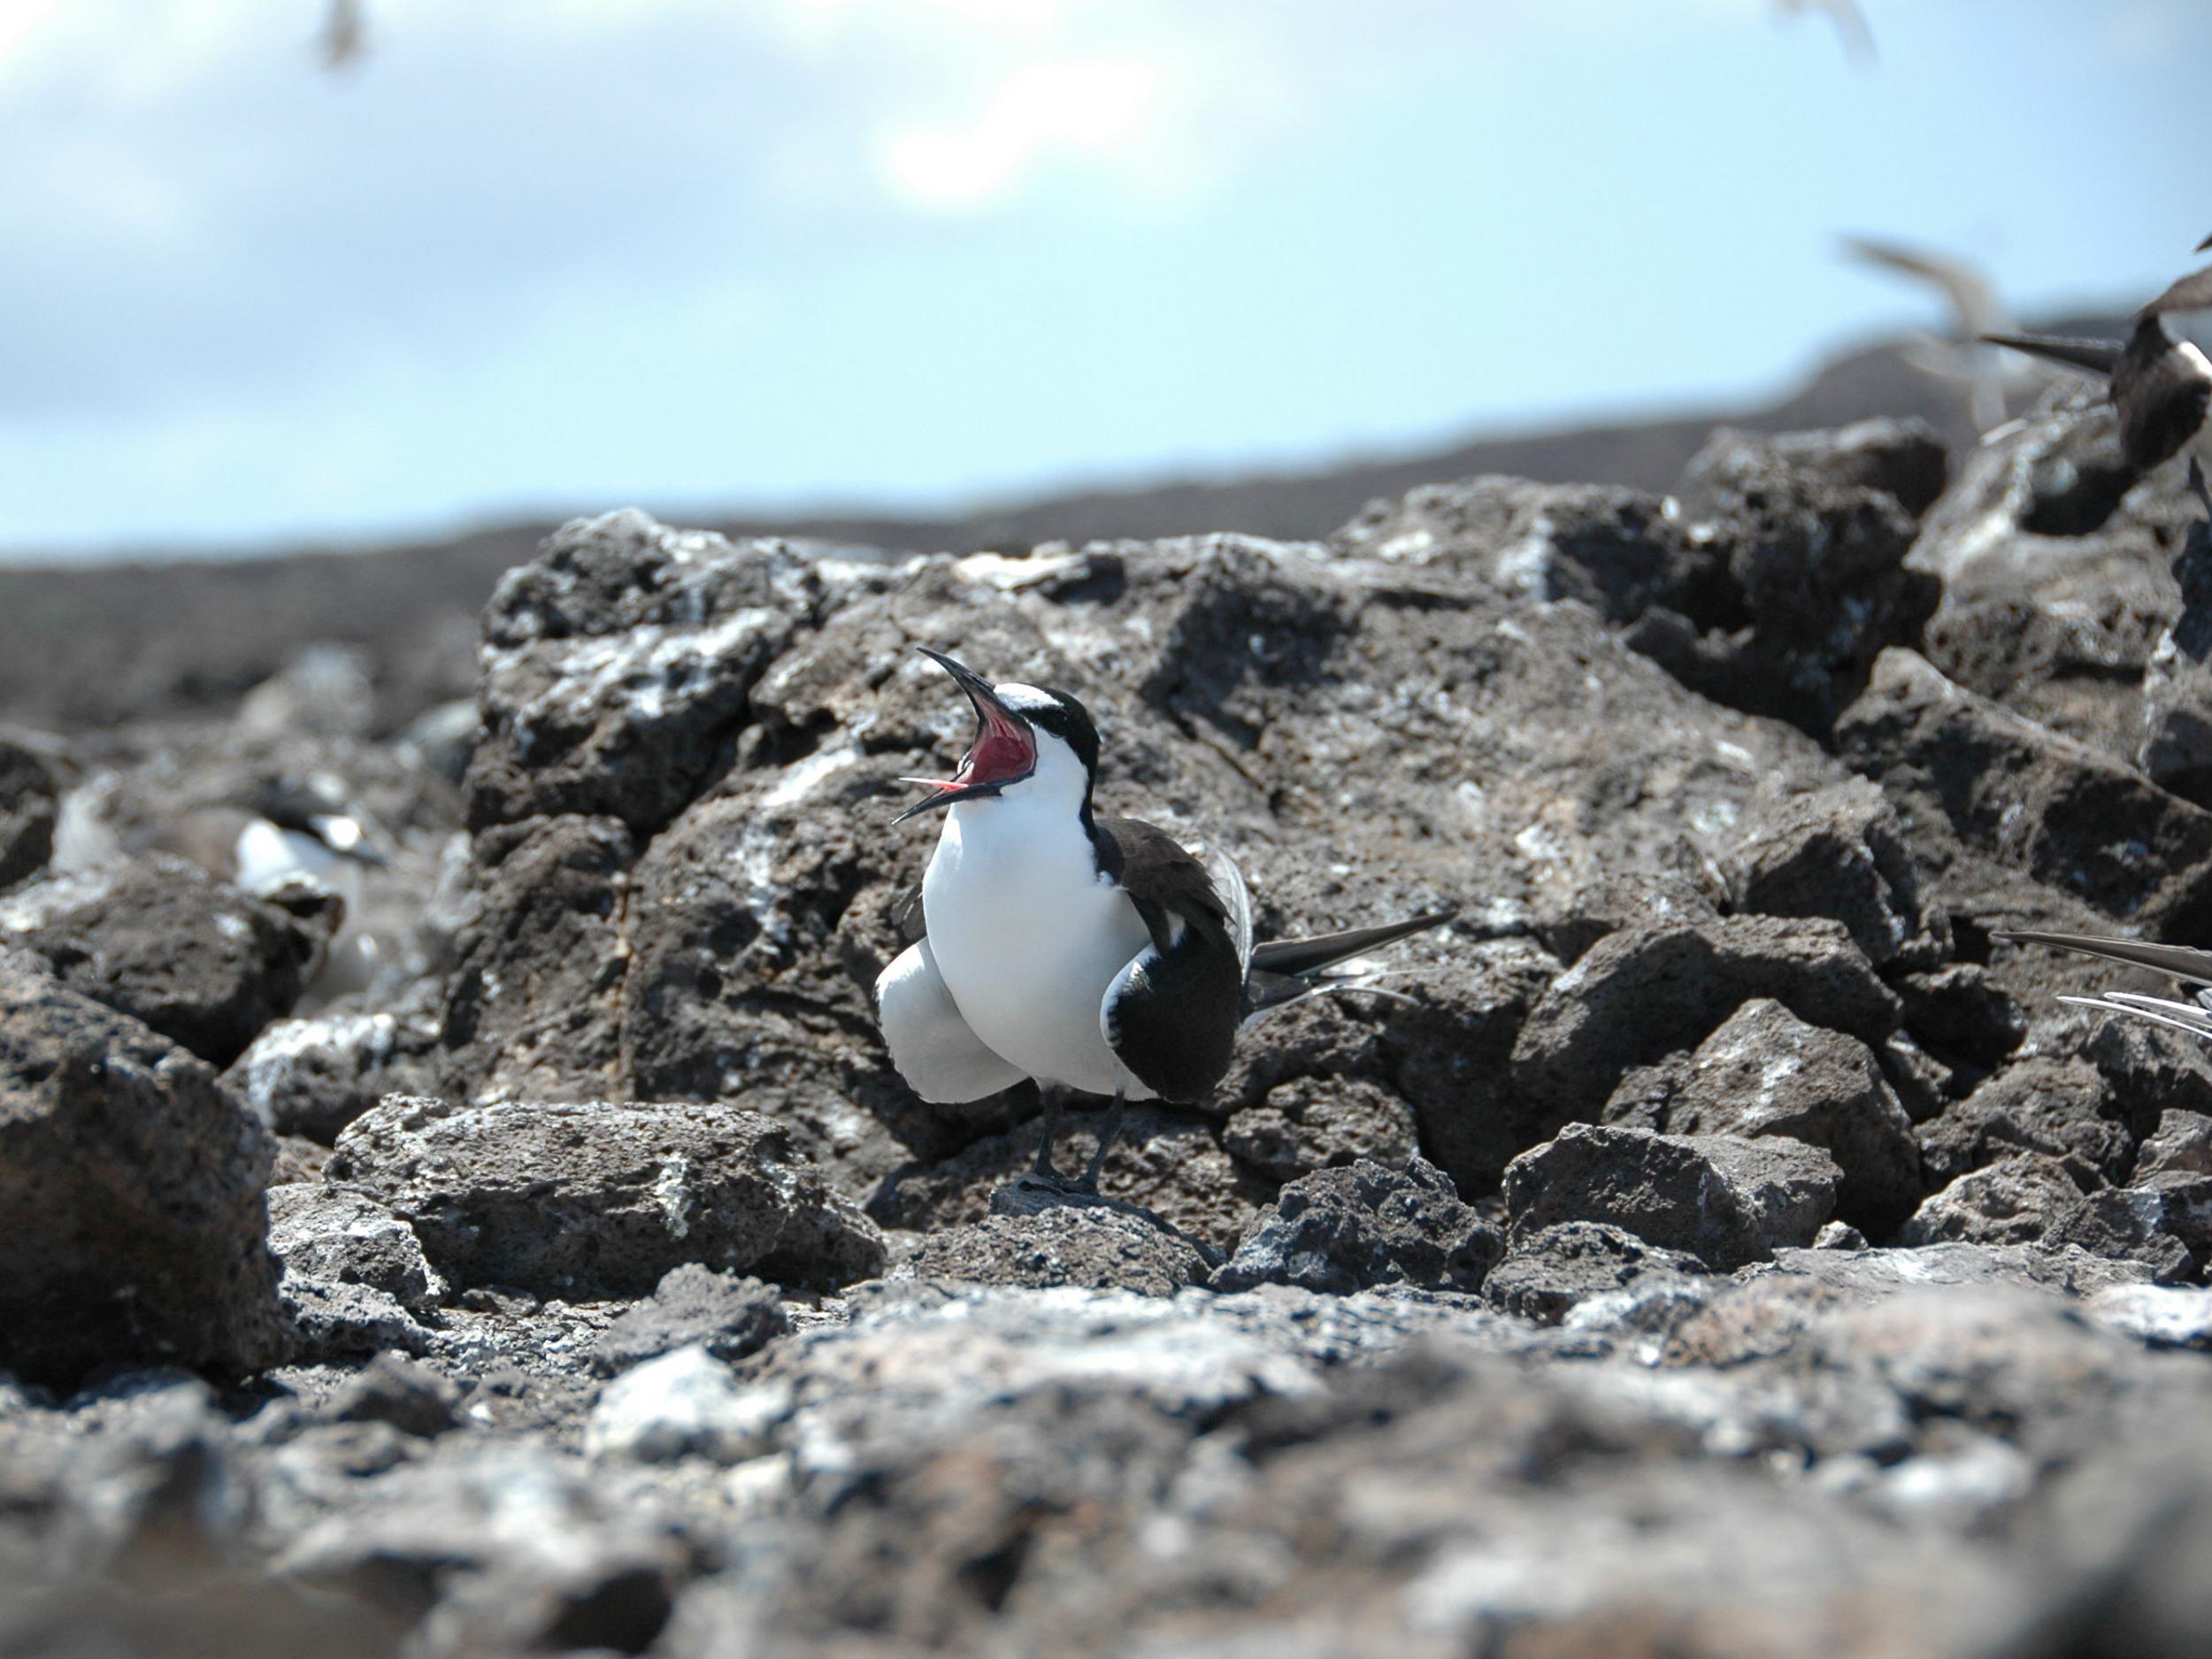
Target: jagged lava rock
point(1840, 851)
point(1343, 1230)
point(201, 963)
point(728, 1316)
point(1766, 1072)
point(1817, 564)
point(1724, 1199)
point(616, 665)
point(1097, 1246)
point(2042, 1103)
point(27, 811)
point(2016, 1200)
point(1547, 1273)
point(131, 1183)
point(1966, 773)
point(603, 1199)
point(1642, 993)
point(325, 1231)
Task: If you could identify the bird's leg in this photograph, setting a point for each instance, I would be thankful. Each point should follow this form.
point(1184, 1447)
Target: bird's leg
point(2196, 482)
point(1049, 1093)
point(1106, 1136)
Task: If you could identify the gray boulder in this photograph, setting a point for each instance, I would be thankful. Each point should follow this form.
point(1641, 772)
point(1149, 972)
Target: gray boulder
point(27, 811)
point(1640, 993)
point(1766, 1072)
point(341, 1235)
point(2063, 1107)
point(1098, 1246)
point(200, 962)
point(1723, 1200)
point(1342, 1230)
point(1545, 1274)
point(603, 1199)
point(2016, 1200)
point(728, 1316)
point(133, 1183)
point(1840, 852)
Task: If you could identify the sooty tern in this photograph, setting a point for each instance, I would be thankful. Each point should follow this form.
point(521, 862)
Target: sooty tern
point(2160, 387)
point(2193, 967)
point(1086, 953)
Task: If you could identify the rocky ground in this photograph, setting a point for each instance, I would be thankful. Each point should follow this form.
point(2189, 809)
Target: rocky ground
point(1724, 1244)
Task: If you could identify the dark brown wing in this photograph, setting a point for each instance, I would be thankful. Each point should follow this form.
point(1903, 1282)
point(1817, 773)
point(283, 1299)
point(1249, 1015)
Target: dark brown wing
point(1172, 1018)
point(2193, 293)
point(906, 915)
point(2162, 396)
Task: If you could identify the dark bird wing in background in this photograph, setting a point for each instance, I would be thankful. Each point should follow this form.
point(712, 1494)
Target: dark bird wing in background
point(1851, 28)
point(345, 31)
point(1976, 313)
point(2193, 293)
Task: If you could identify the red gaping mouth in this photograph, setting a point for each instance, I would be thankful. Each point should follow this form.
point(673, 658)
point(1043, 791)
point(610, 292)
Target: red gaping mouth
point(1004, 750)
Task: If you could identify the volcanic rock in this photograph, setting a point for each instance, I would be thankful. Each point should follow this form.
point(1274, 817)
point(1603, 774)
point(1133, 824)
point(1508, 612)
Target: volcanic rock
point(603, 1199)
point(2063, 1107)
point(1766, 1072)
point(693, 1306)
point(27, 811)
point(200, 962)
point(1098, 1246)
point(1343, 1230)
point(2016, 1200)
point(1722, 1199)
point(1645, 991)
point(139, 1180)
point(1547, 1273)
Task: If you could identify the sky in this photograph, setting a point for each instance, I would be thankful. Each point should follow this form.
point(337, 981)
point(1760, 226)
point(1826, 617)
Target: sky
point(530, 257)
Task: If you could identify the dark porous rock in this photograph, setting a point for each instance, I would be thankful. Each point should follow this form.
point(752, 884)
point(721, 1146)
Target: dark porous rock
point(312, 1077)
point(1766, 1072)
point(2155, 1072)
point(27, 811)
point(1724, 1199)
point(1611, 903)
point(334, 1323)
point(2127, 1224)
point(1616, 551)
point(1306, 1124)
point(1640, 993)
point(393, 1389)
point(1969, 775)
point(339, 1234)
point(2053, 554)
point(729, 1316)
point(1098, 1246)
point(1817, 564)
point(2176, 742)
point(1547, 1273)
point(1904, 459)
point(1957, 1010)
point(200, 962)
point(615, 666)
point(1840, 851)
point(2063, 1108)
point(1343, 1230)
point(533, 1004)
point(139, 1178)
point(2182, 1145)
point(604, 1199)
point(1169, 1163)
point(2014, 1200)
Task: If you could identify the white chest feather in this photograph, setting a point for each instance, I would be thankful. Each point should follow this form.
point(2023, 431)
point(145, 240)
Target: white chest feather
point(1028, 936)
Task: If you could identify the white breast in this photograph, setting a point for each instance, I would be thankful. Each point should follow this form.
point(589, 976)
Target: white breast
point(1028, 937)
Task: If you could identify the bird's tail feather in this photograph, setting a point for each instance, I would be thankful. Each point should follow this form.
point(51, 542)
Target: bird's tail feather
point(2190, 1017)
point(2180, 960)
point(1288, 971)
point(2098, 357)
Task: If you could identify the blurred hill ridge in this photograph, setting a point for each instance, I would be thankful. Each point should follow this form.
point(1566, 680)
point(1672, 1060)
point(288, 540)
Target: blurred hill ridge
point(89, 647)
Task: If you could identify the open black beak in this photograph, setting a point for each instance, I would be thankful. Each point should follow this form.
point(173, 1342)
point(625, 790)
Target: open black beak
point(1004, 751)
